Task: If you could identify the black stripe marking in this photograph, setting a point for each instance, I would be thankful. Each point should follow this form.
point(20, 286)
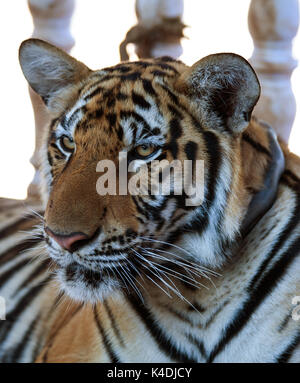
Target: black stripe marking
point(178, 314)
point(256, 145)
point(257, 295)
point(143, 64)
point(148, 88)
point(191, 150)
point(23, 304)
point(175, 128)
point(120, 132)
point(293, 176)
point(50, 161)
point(284, 235)
point(114, 324)
point(124, 69)
point(18, 249)
point(106, 341)
point(287, 353)
point(96, 114)
point(121, 96)
point(214, 314)
point(176, 132)
point(175, 112)
point(18, 351)
point(136, 116)
point(57, 331)
point(111, 118)
point(7, 204)
point(139, 208)
point(166, 67)
point(157, 333)
point(212, 146)
point(9, 273)
point(199, 344)
point(160, 73)
point(67, 123)
point(140, 101)
point(171, 95)
point(168, 59)
point(35, 273)
point(131, 76)
point(94, 93)
point(285, 321)
point(18, 225)
point(196, 308)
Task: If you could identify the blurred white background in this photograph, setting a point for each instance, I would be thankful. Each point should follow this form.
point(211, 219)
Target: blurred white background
point(98, 27)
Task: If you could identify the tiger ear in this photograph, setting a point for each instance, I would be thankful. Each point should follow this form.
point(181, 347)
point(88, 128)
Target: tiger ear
point(224, 88)
point(50, 71)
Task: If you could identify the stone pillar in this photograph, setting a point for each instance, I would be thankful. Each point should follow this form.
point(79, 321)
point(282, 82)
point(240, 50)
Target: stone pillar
point(273, 24)
point(159, 29)
point(51, 20)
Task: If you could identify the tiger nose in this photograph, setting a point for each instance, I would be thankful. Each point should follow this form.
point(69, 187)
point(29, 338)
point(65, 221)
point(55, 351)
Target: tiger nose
point(68, 242)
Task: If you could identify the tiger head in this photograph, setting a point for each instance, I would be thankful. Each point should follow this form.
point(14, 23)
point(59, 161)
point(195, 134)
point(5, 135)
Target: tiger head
point(156, 109)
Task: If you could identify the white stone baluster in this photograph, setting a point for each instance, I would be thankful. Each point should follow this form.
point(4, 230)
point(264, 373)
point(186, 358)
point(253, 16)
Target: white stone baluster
point(273, 24)
point(158, 31)
point(51, 20)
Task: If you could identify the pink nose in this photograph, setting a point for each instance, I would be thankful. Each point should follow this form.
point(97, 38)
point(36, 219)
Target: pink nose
point(69, 241)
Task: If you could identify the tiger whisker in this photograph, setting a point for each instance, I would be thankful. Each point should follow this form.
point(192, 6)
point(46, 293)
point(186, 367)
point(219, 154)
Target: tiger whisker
point(35, 213)
point(189, 268)
point(147, 276)
point(183, 279)
point(120, 274)
point(131, 282)
point(176, 274)
point(176, 291)
point(137, 271)
point(183, 250)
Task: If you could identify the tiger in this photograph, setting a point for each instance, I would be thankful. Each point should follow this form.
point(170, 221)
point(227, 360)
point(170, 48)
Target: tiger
point(147, 277)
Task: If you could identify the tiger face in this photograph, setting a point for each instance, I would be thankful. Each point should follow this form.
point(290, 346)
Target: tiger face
point(131, 114)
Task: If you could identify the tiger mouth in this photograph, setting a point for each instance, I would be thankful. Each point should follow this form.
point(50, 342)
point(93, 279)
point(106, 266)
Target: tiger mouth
point(93, 267)
point(86, 279)
point(89, 281)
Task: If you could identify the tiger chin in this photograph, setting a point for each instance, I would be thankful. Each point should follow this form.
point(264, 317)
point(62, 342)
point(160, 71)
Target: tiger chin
point(152, 110)
point(83, 285)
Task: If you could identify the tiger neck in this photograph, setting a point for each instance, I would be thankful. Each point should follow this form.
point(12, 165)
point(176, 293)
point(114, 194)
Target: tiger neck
point(246, 189)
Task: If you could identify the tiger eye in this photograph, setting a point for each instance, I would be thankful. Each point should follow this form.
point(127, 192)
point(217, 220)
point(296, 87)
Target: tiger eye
point(67, 144)
point(145, 150)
